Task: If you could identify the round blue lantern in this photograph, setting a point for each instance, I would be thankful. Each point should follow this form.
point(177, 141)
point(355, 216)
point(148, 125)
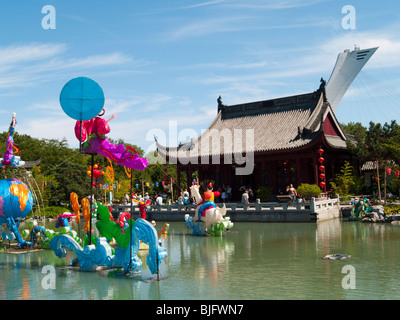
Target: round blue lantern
point(16, 199)
point(82, 98)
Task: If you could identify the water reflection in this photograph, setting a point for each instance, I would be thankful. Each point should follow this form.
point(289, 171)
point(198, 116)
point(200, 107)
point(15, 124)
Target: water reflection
point(253, 261)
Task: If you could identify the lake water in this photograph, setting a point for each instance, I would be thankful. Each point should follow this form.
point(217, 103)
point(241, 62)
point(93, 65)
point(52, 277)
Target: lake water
point(254, 261)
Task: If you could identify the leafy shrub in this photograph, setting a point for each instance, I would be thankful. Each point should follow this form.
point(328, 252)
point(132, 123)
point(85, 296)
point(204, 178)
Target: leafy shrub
point(264, 193)
point(392, 210)
point(309, 190)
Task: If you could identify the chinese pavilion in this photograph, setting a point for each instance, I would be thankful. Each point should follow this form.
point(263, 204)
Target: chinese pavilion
point(273, 143)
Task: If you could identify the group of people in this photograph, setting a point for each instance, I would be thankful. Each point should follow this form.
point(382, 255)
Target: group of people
point(222, 194)
point(247, 194)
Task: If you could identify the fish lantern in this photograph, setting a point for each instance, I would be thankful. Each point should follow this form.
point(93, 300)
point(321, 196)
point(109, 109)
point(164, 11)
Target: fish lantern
point(321, 168)
point(322, 184)
point(320, 151)
point(389, 171)
point(397, 173)
point(320, 159)
point(322, 175)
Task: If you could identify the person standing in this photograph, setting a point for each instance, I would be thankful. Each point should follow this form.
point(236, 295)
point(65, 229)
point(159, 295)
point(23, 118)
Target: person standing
point(245, 197)
point(292, 193)
point(223, 195)
point(229, 192)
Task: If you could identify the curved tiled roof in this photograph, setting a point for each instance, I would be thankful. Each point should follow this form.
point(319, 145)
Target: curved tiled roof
point(270, 125)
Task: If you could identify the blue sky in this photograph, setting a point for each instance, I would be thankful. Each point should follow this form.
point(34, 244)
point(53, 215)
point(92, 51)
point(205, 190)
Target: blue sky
point(160, 61)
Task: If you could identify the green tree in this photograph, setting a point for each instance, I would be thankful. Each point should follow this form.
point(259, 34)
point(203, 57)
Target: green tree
point(380, 144)
point(343, 182)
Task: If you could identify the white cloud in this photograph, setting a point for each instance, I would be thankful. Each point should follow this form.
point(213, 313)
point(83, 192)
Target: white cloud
point(50, 128)
point(208, 26)
point(257, 4)
point(15, 54)
point(26, 65)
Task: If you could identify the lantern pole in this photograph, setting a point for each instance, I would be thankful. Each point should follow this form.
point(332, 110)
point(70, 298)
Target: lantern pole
point(91, 201)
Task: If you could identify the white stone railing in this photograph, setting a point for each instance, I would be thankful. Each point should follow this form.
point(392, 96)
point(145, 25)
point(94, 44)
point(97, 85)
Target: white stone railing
point(314, 205)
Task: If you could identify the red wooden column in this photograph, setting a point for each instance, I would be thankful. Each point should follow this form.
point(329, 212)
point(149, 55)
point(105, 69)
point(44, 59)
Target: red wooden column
point(298, 171)
point(315, 165)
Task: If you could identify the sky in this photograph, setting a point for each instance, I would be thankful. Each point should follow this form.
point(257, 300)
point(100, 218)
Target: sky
point(163, 63)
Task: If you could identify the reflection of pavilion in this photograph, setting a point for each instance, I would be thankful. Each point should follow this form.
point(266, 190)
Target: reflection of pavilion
point(273, 142)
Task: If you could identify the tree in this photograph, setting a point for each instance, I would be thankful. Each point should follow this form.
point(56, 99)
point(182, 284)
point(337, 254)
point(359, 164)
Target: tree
point(343, 182)
point(379, 144)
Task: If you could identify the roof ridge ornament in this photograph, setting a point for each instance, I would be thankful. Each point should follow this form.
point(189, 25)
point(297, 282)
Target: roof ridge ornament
point(322, 87)
point(221, 105)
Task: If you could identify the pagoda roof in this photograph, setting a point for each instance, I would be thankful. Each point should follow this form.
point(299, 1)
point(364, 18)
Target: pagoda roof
point(276, 125)
point(31, 164)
